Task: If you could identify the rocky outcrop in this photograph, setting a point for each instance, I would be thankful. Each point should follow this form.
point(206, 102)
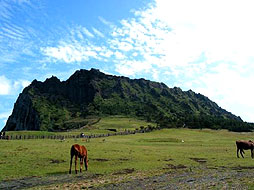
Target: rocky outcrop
point(24, 116)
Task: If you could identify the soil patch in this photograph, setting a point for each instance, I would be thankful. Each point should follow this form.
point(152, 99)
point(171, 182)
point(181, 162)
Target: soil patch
point(123, 159)
point(100, 159)
point(167, 160)
point(243, 168)
point(52, 161)
point(125, 171)
point(199, 160)
point(171, 166)
point(20, 148)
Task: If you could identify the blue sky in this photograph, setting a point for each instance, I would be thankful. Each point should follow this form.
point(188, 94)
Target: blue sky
point(203, 45)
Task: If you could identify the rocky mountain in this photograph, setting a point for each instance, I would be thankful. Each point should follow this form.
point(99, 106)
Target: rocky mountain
point(56, 105)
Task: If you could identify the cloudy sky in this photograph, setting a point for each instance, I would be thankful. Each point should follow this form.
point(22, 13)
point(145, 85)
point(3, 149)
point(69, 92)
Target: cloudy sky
point(203, 45)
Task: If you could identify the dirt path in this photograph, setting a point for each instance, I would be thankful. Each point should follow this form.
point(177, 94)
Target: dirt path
point(178, 178)
point(209, 179)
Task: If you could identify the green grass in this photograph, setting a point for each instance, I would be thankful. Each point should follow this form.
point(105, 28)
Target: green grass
point(120, 123)
point(147, 152)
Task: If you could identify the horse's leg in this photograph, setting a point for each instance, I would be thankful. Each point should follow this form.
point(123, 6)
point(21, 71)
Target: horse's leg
point(70, 164)
point(251, 150)
point(76, 159)
point(86, 163)
point(237, 152)
point(241, 151)
point(81, 163)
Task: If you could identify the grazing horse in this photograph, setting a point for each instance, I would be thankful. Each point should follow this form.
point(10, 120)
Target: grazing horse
point(81, 152)
point(244, 145)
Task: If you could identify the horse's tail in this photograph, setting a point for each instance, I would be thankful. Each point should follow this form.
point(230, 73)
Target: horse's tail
point(72, 152)
point(86, 160)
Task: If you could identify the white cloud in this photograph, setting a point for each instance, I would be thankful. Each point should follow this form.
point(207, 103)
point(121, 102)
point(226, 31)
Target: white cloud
point(9, 87)
point(119, 55)
point(5, 115)
point(203, 45)
point(12, 33)
point(87, 32)
point(70, 53)
point(20, 84)
point(75, 47)
point(106, 53)
point(106, 22)
point(97, 32)
point(179, 32)
point(221, 29)
point(229, 89)
point(155, 75)
point(5, 86)
point(131, 67)
point(5, 12)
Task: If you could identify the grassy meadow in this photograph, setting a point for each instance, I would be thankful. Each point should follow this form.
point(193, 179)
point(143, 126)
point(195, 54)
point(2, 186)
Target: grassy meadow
point(94, 126)
point(146, 153)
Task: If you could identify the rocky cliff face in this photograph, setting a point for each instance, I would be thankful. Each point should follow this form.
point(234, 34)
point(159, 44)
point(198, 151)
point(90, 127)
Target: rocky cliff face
point(24, 116)
point(54, 105)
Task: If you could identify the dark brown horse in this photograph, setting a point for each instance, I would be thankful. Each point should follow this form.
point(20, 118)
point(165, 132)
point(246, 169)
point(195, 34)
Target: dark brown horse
point(244, 145)
point(79, 151)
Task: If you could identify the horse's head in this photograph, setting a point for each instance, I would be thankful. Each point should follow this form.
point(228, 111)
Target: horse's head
point(251, 142)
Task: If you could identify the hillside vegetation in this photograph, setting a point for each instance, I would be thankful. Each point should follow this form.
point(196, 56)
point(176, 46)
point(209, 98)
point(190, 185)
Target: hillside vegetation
point(53, 105)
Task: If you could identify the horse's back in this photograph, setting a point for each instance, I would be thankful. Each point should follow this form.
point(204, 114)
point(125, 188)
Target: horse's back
point(80, 150)
point(242, 144)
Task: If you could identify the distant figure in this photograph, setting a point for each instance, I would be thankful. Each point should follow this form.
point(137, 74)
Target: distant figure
point(81, 152)
point(62, 139)
point(82, 135)
point(244, 145)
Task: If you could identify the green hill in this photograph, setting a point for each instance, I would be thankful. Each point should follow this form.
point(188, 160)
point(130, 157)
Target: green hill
point(55, 105)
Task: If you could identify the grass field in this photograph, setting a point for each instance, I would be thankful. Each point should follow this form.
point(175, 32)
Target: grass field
point(120, 123)
point(146, 153)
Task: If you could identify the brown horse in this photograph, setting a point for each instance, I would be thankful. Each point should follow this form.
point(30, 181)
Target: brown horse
point(244, 145)
point(81, 152)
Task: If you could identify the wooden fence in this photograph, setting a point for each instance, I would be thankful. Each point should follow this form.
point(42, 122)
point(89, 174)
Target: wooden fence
point(62, 137)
